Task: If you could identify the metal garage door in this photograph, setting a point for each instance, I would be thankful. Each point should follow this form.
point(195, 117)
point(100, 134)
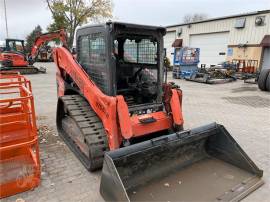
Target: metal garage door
point(168, 40)
point(213, 47)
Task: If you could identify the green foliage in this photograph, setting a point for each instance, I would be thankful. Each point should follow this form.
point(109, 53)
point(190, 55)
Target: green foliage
point(30, 39)
point(69, 14)
point(59, 23)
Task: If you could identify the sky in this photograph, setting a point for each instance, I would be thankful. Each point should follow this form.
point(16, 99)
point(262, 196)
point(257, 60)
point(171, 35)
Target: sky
point(24, 15)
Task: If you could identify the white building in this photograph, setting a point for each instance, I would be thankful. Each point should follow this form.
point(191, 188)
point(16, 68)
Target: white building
point(237, 37)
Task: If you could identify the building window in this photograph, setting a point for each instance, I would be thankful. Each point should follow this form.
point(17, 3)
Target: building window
point(240, 23)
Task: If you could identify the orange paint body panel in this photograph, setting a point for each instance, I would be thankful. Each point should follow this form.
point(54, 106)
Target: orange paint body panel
point(162, 122)
point(176, 107)
point(18, 60)
point(124, 119)
point(18, 138)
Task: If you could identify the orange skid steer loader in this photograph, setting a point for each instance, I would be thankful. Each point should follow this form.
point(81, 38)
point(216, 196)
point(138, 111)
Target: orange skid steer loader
point(115, 110)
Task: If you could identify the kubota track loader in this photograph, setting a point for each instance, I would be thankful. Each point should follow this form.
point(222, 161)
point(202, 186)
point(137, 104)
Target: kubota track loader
point(113, 101)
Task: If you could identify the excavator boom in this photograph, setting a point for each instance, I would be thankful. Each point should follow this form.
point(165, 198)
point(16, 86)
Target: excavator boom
point(46, 37)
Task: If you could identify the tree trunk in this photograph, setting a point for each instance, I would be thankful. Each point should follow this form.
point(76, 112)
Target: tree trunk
point(70, 41)
point(71, 38)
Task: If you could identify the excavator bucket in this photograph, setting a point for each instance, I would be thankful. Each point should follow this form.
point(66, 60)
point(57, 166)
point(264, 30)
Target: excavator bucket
point(203, 164)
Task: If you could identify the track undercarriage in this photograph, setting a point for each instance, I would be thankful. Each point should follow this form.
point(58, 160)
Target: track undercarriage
point(25, 69)
point(82, 130)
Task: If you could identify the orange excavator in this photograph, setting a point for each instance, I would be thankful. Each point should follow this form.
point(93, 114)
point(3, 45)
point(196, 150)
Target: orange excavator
point(115, 110)
point(13, 56)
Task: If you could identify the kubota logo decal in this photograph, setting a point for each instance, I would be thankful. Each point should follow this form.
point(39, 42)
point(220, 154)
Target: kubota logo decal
point(102, 108)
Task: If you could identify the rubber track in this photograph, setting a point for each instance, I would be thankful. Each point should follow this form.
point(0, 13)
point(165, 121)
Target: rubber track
point(91, 127)
point(24, 70)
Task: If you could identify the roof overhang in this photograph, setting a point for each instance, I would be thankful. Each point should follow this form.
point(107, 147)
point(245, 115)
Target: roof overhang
point(266, 41)
point(222, 18)
point(177, 43)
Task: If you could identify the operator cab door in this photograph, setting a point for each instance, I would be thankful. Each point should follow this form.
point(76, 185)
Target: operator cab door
point(92, 55)
point(137, 66)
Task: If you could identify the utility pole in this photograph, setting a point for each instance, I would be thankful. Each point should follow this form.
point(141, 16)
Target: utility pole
point(6, 17)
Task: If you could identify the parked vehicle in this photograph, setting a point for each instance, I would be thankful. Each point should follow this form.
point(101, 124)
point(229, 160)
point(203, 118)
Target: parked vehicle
point(15, 58)
point(185, 62)
point(113, 102)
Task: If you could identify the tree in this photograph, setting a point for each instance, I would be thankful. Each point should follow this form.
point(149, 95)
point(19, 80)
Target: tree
point(194, 17)
point(69, 14)
point(59, 22)
point(30, 39)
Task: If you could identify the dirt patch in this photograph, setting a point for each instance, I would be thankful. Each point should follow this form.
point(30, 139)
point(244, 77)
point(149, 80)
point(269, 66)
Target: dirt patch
point(251, 101)
point(47, 135)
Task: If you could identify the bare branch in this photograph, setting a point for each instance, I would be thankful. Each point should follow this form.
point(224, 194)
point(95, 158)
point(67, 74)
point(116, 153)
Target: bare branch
point(72, 13)
point(194, 17)
point(49, 6)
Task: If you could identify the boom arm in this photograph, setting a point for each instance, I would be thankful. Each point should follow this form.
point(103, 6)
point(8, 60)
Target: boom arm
point(43, 38)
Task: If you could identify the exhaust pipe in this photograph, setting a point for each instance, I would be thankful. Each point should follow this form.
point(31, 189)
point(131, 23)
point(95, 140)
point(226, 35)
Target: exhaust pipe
point(203, 164)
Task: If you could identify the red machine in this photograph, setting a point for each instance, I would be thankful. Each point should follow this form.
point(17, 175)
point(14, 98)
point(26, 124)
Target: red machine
point(118, 102)
point(14, 57)
point(13, 54)
point(115, 110)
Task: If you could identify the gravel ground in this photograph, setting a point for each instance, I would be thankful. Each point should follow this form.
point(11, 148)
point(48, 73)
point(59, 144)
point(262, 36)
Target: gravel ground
point(241, 108)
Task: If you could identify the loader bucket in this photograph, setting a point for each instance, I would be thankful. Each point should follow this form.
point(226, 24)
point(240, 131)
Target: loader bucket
point(203, 164)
